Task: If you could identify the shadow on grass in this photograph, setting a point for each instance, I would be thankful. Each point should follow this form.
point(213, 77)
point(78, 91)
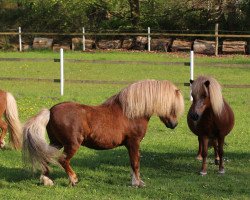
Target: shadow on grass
point(116, 161)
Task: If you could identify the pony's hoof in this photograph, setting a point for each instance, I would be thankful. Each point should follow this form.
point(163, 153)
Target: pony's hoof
point(216, 162)
point(203, 173)
point(73, 182)
point(2, 144)
point(142, 184)
point(46, 181)
point(138, 184)
point(221, 171)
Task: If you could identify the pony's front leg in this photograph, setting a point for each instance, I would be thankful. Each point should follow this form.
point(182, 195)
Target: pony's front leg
point(204, 155)
point(199, 154)
point(134, 155)
point(220, 151)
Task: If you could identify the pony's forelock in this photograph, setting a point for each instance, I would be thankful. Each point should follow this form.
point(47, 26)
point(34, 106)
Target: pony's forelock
point(148, 97)
point(214, 90)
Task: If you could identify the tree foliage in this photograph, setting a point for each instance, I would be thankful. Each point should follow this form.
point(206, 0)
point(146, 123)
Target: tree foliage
point(72, 15)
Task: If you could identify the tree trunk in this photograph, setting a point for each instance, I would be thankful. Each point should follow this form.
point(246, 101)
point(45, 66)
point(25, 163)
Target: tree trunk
point(134, 12)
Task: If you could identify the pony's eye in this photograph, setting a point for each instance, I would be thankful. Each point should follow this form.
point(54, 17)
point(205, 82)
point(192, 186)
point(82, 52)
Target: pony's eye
point(203, 96)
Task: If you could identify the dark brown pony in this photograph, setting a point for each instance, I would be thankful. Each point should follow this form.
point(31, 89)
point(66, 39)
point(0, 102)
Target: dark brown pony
point(121, 120)
point(8, 108)
point(210, 118)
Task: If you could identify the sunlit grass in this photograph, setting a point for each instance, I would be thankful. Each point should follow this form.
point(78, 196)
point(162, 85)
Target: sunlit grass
point(168, 164)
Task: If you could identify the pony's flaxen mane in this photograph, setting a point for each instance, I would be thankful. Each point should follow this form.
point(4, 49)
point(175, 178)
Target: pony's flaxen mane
point(148, 97)
point(214, 90)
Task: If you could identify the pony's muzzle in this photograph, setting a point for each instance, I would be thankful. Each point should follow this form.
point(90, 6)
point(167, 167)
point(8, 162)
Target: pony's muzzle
point(171, 125)
point(194, 116)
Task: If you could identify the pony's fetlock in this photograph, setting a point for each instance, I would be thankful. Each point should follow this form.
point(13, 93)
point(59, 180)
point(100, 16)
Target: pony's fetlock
point(216, 161)
point(199, 157)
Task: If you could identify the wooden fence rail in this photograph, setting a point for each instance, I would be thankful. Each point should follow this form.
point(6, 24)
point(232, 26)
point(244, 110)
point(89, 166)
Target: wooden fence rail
point(131, 34)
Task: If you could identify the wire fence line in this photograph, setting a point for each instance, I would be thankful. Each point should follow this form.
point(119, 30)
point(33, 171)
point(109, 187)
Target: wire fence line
point(122, 62)
point(107, 82)
point(165, 64)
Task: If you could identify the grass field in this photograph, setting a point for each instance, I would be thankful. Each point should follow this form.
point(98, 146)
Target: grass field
point(168, 164)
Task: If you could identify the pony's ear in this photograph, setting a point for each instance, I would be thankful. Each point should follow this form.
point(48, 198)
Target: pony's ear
point(191, 81)
point(207, 83)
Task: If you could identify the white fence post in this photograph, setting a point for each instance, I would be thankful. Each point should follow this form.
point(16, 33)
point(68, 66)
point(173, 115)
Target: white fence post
point(83, 38)
point(149, 39)
point(216, 39)
point(61, 72)
point(191, 71)
point(20, 39)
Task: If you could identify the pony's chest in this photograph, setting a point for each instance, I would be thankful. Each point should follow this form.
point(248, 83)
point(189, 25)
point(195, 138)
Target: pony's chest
point(206, 125)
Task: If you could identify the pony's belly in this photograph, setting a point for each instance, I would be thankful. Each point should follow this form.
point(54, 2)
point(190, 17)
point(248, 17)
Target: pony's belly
point(102, 143)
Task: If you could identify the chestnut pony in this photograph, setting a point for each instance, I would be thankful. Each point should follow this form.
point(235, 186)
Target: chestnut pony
point(210, 118)
point(120, 120)
point(8, 108)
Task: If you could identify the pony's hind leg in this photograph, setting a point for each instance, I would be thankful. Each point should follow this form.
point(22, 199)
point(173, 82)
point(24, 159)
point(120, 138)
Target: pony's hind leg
point(199, 154)
point(3, 126)
point(64, 160)
point(134, 155)
point(44, 178)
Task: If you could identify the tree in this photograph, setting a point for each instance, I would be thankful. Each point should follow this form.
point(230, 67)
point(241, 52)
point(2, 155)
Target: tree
point(134, 12)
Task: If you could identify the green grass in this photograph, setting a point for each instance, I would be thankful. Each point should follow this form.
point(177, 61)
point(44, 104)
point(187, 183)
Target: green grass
point(168, 164)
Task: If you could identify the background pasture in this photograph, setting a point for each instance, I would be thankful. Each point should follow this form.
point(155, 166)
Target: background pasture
point(168, 164)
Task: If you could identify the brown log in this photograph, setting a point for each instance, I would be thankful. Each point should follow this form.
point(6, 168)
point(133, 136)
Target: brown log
point(204, 47)
point(109, 44)
point(4, 41)
point(42, 43)
point(181, 45)
point(234, 47)
point(141, 42)
point(162, 44)
point(57, 47)
point(127, 44)
point(77, 44)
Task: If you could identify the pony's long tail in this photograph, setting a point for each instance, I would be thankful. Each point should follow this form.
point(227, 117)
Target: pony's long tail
point(36, 151)
point(14, 124)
